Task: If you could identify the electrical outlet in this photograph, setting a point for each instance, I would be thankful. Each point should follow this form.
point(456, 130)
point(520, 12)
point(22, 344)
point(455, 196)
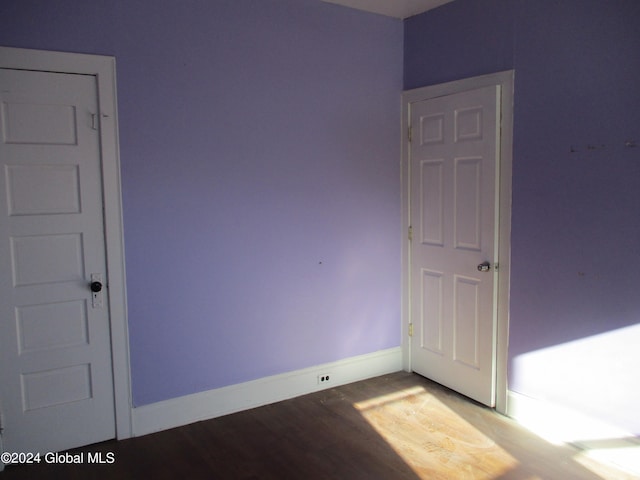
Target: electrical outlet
point(324, 378)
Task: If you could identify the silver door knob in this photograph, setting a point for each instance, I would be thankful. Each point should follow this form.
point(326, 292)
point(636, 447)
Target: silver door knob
point(484, 267)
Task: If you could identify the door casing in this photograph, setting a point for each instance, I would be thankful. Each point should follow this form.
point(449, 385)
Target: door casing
point(103, 68)
point(505, 81)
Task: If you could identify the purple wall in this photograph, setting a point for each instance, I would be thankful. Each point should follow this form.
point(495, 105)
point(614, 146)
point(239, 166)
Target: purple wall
point(259, 149)
point(458, 40)
point(575, 310)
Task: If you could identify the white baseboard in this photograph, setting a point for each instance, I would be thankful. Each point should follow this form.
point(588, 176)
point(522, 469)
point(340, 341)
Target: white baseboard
point(234, 398)
point(559, 424)
point(596, 439)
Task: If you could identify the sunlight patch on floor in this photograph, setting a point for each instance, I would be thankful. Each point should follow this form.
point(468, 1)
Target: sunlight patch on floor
point(625, 456)
point(432, 439)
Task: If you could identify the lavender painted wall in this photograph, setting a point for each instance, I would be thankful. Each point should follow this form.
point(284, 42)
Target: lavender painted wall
point(458, 40)
point(575, 310)
point(259, 150)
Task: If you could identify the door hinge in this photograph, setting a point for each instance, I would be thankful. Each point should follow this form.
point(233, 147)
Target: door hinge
point(410, 133)
point(410, 234)
point(411, 329)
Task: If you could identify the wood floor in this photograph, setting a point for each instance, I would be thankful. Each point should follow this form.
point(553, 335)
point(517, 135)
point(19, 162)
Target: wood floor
point(398, 426)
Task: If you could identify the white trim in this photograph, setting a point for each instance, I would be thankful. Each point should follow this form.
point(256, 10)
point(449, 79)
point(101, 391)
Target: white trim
point(505, 81)
point(103, 67)
point(558, 424)
point(597, 440)
point(222, 401)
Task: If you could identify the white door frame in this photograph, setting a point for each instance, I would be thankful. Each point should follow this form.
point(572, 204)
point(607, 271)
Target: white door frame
point(505, 81)
point(103, 68)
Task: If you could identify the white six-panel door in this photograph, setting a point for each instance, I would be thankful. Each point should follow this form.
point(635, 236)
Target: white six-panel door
point(56, 368)
point(453, 216)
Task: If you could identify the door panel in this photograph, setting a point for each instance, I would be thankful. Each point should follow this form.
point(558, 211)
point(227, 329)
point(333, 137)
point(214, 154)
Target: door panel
point(453, 165)
point(57, 187)
point(432, 202)
point(466, 321)
point(466, 190)
point(56, 374)
point(432, 303)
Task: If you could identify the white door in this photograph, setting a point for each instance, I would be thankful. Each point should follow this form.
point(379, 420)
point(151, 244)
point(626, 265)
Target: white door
point(453, 205)
point(55, 373)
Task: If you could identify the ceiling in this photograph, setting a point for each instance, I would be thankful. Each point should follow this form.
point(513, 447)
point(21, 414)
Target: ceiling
point(392, 8)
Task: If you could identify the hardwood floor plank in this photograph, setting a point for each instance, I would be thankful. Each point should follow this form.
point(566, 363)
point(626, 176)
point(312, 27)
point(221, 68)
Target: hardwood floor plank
point(395, 427)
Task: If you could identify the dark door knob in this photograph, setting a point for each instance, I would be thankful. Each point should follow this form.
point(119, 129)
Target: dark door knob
point(484, 267)
point(96, 287)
